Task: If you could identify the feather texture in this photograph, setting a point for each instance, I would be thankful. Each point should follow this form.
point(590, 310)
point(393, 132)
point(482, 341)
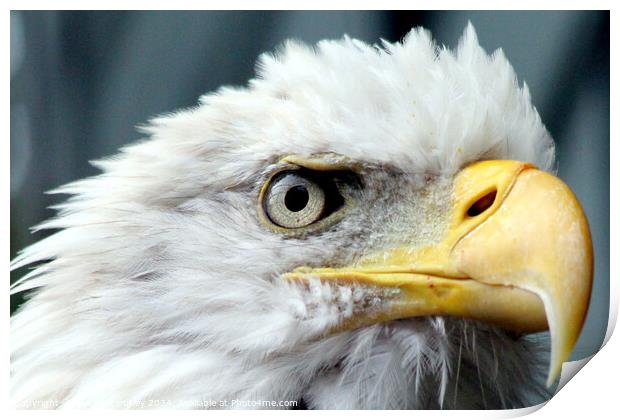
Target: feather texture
point(161, 285)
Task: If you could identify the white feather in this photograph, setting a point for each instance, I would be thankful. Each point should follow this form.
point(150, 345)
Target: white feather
point(161, 284)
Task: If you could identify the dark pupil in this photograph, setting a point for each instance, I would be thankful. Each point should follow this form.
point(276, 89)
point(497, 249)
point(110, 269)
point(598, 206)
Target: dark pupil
point(296, 198)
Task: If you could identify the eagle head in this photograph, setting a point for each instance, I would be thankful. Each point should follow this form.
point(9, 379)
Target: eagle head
point(359, 227)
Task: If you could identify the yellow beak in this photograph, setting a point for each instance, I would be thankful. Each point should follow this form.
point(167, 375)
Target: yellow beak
point(517, 253)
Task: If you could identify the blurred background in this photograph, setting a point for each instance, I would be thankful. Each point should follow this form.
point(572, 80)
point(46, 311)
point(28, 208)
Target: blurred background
point(81, 82)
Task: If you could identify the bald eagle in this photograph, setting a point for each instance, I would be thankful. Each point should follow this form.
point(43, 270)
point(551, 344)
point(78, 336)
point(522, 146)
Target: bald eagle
point(359, 227)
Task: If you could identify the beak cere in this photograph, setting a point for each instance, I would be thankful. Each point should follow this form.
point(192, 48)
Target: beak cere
point(517, 253)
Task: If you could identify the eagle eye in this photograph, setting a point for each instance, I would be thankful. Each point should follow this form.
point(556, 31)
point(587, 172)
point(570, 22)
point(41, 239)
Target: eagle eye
point(298, 198)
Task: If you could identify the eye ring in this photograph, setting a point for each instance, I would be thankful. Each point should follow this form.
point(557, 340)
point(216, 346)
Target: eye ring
point(325, 199)
point(293, 201)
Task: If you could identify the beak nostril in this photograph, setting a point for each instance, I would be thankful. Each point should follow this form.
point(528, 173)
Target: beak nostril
point(482, 204)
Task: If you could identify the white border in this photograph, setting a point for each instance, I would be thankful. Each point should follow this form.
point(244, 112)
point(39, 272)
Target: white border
point(311, 5)
point(592, 393)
